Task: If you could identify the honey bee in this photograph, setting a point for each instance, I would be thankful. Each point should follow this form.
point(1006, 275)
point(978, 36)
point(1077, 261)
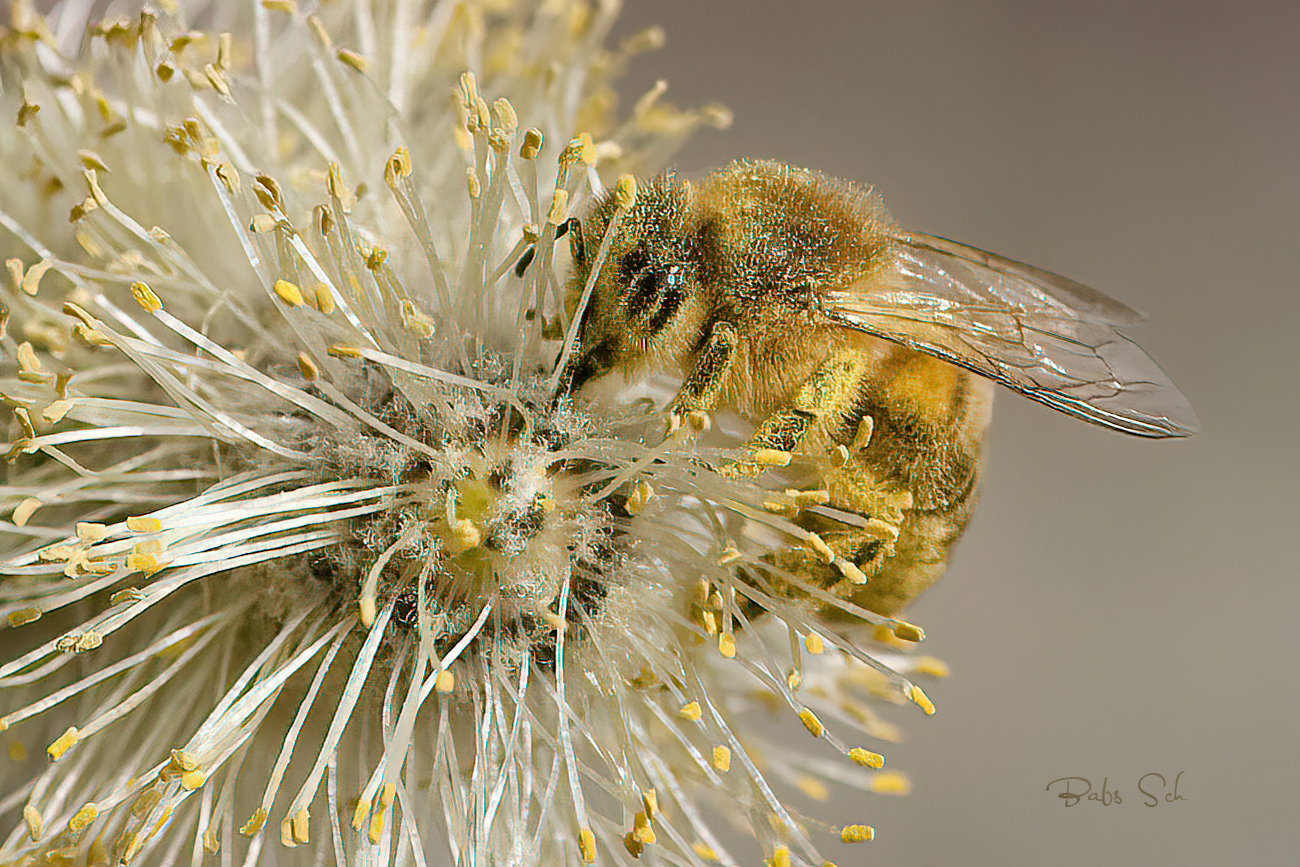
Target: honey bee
point(793, 299)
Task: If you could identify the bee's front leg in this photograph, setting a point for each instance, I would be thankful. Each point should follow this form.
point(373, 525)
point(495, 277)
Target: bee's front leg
point(700, 392)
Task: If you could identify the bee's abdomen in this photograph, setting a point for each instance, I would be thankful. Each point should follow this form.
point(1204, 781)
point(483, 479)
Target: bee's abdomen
point(919, 474)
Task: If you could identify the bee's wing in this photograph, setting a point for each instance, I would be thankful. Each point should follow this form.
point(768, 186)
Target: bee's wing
point(1041, 334)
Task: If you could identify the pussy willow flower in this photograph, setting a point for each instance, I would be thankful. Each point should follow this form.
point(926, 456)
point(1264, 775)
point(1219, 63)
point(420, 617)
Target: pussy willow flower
point(304, 558)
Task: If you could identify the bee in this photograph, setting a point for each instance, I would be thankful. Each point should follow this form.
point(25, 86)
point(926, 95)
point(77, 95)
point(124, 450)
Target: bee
point(793, 299)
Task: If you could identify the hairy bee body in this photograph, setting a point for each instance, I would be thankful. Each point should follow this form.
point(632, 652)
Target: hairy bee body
point(793, 299)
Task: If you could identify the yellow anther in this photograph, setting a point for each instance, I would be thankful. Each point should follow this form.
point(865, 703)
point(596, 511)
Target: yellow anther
point(642, 831)
point(867, 758)
point(83, 817)
point(813, 788)
point(55, 553)
point(446, 682)
point(857, 833)
point(921, 700)
point(862, 438)
point(91, 160)
point(727, 645)
point(416, 322)
point(691, 711)
point(397, 167)
point(722, 758)
point(813, 642)
point(634, 847)
point(267, 190)
point(650, 800)
point(289, 293)
point(883, 529)
point(729, 555)
point(504, 113)
point(932, 666)
point(85, 334)
point(386, 795)
point(559, 208)
point(340, 351)
point(794, 679)
point(24, 616)
point(819, 546)
point(642, 493)
point(24, 511)
point(32, 279)
point(15, 268)
point(361, 812)
point(211, 842)
point(891, 783)
point(217, 78)
point(586, 846)
point(811, 722)
point(88, 532)
point(625, 191)
point(184, 761)
point(26, 112)
point(87, 641)
point(351, 58)
point(79, 211)
point(705, 852)
point(324, 299)
point(532, 144)
point(128, 594)
point(29, 366)
point(377, 258)
point(35, 824)
point(781, 507)
point(145, 297)
point(908, 631)
point(307, 367)
point(366, 609)
point(62, 743)
point(141, 560)
point(299, 826)
point(772, 457)
point(581, 148)
point(462, 536)
point(780, 857)
point(143, 524)
point(850, 571)
point(255, 823)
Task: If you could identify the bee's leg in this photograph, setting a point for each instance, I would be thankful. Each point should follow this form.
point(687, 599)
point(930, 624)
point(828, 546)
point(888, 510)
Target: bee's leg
point(822, 395)
point(771, 445)
point(700, 391)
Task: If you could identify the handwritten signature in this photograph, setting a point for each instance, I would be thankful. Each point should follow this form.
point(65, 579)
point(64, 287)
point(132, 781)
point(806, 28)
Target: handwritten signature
point(1154, 788)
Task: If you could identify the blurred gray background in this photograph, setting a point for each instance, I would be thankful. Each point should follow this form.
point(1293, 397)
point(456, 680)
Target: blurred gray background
point(1118, 607)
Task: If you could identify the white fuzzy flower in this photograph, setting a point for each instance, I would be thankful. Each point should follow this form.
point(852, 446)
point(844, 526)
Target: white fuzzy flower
point(302, 560)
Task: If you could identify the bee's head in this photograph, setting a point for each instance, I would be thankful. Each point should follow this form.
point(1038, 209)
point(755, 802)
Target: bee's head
point(647, 303)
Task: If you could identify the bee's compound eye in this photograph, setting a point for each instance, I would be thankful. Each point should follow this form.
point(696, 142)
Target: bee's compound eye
point(632, 264)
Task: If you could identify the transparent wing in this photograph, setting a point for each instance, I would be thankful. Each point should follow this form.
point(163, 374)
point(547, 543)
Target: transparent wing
point(1042, 334)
